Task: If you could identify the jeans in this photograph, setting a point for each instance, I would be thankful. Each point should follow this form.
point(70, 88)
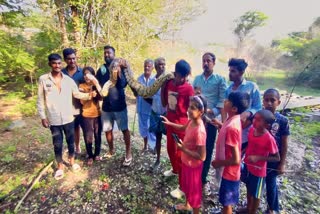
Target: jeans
point(210, 141)
point(272, 188)
point(57, 139)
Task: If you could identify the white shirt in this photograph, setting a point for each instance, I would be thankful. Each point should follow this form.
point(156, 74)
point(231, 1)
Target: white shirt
point(54, 104)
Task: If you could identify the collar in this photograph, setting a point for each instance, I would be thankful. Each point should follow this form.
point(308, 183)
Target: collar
point(204, 78)
point(244, 82)
point(65, 70)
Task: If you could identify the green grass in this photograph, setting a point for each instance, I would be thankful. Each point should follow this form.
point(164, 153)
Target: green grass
point(274, 78)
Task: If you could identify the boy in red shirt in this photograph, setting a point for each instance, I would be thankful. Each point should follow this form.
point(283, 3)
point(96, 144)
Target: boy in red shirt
point(262, 148)
point(176, 96)
point(228, 149)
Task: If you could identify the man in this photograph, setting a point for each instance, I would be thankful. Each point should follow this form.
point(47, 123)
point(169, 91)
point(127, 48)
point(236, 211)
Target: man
point(54, 105)
point(114, 107)
point(75, 72)
point(213, 87)
point(157, 109)
point(144, 107)
point(237, 68)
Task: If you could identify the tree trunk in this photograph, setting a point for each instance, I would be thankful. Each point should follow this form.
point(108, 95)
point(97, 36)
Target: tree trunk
point(76, 26)
point(62, 21)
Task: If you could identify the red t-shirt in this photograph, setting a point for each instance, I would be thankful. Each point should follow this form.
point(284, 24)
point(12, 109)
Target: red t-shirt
point(229, 136)
point(178, 98)
point(195, 136)
point(259, 145)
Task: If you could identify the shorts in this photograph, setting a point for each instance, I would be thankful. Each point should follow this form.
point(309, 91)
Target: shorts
point(255, 185)
point(77, 120)
point(108, 118)
point(229, 192)
point(156, 125)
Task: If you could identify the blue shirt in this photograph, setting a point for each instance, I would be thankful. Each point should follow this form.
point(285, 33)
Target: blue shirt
point(116, 99)
point(213, 88)
point(78, 79)
point(77, 76)
point(143, 107)
point(157, 106)
point(254, 103)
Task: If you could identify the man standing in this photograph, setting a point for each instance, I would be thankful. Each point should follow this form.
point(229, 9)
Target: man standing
point(213, 87)
point(144, 107)
point(114, 107)
point(157, 109)
point(75, 72)
point(55, 92)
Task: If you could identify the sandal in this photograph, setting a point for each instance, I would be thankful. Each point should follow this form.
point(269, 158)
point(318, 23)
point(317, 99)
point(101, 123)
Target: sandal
point(127, 162)
point(181, 207)
point(76, 167)
point(59, 174)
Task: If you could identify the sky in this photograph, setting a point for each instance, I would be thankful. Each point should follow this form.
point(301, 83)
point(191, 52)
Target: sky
point(217, 23)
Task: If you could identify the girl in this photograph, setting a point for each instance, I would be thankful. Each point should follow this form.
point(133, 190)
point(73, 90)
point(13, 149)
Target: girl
point(261, 148)
point(91, 123)
point(193, 153)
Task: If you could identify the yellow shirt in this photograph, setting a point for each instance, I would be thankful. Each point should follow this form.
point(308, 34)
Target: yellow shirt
point(90, 108)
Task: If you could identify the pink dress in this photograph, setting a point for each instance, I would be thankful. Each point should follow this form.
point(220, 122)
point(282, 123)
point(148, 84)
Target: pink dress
point(191, 169)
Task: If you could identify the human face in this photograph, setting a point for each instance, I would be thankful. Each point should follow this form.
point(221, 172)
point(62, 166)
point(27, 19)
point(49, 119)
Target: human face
point(108, 55)
point(179, 79)
point(55, 65)
point(259, 122)
point(160, 67)
point(271, 101)
point(85, 72)
point(71, 61)
point(207, 63)
point(148, 67)
point(193, 111)
point(234, 74)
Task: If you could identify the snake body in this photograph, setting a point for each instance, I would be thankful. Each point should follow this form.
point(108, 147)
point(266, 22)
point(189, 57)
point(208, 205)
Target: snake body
point(138, 88)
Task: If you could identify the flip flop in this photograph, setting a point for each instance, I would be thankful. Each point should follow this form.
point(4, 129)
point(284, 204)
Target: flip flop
point(59, 174)
point(76, 167)
point(127, 162)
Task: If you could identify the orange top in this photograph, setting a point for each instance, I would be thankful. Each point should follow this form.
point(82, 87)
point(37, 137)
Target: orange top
point(90, 108)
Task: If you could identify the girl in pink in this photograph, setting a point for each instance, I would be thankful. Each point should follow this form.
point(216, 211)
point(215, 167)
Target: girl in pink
point(193, 153)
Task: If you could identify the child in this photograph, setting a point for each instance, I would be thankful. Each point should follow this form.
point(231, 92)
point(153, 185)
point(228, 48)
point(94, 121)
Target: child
point(280, 131)
point(176, 95)
point(228, 150)
point(91, 122)
point(262, 147)
point(193, 154)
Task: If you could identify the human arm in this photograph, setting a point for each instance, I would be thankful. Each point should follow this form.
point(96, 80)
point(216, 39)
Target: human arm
point(270, 158)
point(79, 95)
point(199, 154)
point(164, 94)
point(234, 160)
point(41, 105)
point(221, 96)
point(283, 156)
point(174, 125)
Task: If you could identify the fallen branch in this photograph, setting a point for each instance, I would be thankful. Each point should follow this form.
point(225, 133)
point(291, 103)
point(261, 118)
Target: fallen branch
point(44, 170)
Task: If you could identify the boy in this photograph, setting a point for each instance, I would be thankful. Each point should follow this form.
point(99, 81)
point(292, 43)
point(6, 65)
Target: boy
point(228, 150)
point(176, 96)
point(280, 131)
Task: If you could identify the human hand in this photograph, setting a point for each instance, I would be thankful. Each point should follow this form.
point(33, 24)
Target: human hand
point(253, 158)
point(216, 123)
point(215, 164)
point(165, 120)
point(281, 169)
point(244, 116)
point(45, 123)
point(93, 94)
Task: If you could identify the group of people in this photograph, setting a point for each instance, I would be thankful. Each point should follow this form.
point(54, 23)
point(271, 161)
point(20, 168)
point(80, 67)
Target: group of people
point(251, 140)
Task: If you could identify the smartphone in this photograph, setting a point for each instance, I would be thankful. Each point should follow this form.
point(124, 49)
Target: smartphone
point(176, 138)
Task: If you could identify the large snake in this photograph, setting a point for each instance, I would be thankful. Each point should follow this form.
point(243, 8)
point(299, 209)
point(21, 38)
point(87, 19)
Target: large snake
point(136, 87)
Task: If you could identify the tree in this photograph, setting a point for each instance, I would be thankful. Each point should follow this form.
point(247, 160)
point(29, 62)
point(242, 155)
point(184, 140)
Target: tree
point(246, 23)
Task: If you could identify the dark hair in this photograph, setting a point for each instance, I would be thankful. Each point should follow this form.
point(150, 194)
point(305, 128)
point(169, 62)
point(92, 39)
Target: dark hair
point(267, 116)
point(54, 56)
point(89, 69)
point(200, 105)
point(68, 51)
point(272, 91)
point(109, 47)
point(240, 100)
point(183, 68)
point(210, 54)
point(240, 64)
